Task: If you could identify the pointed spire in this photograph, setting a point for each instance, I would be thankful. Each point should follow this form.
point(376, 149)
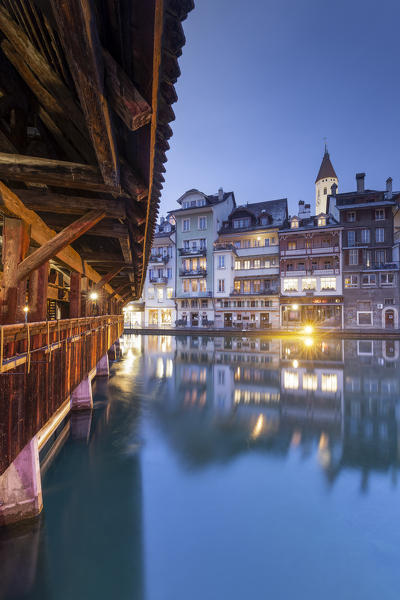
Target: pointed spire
point(326, 169)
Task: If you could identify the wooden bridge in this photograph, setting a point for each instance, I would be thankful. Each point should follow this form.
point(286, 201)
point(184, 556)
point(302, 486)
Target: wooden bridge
point(86, 89)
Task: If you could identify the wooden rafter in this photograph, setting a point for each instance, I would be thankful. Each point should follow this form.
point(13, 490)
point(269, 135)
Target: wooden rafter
point(74, 205)
point(60, 241)
point(77, 28)
point(107, 278)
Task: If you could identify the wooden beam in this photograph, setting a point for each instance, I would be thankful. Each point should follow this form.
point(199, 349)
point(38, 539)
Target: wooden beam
point(107, 278)
point(58, 243)
point(75, 286)
point(15, 247)
point(73, 205)
point(18, 167)
point(119, 290)
point(125, 99)
point(38, 293)
point(51, 92)
point(11, 205)
point(77, 28)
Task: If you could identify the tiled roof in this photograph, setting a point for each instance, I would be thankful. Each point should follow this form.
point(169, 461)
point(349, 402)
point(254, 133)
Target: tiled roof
point(326, 169)
point(276, 210)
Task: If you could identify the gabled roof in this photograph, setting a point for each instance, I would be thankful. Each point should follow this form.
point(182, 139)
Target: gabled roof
point(326, 169)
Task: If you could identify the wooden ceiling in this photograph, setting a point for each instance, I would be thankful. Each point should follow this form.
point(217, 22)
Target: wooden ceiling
point(86, 89)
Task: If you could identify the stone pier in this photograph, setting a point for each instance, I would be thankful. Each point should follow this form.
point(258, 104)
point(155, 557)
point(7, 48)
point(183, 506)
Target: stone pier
point(21, 488)
point(82, 397)
point(103, 367)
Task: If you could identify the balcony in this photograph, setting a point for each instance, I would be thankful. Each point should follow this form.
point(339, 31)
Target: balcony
point(197, 251)
point(224, 246)
point(159, 258)
point(258, 251)
point(262, 292)
point(192, 272)
point(377, 266)
point(257, 273)
point(194, 295)
point(314, 250)
point(158, 280)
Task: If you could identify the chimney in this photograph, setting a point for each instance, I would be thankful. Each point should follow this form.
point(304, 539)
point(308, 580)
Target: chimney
point(334, 189)
point(307, 210)
point(389, 190)
point(360, 181)
point(304, 209)
point(220, 194)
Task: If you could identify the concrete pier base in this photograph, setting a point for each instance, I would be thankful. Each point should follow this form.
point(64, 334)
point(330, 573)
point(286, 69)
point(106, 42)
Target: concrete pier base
point(21, 487)
point(81, 397)
point(81, 423)
point(103, 367)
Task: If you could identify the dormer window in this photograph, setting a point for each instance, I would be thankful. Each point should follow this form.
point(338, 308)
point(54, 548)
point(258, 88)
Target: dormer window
point(186, 205)
point(201, 202)
point(294, 224)
point(321, 221)
point(241, 223)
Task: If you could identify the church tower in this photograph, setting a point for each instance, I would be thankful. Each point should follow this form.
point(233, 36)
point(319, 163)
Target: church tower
point(325, 179)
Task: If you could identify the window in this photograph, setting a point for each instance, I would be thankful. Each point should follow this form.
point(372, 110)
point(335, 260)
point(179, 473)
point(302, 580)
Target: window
point(237, 286)
point(351, 281)
point(202, 285)
point(237, 244)
point(321, 221)
point(389, 301)
point(379, 234)
point(387, 279)
point(241, 223)
point(351, 217)
point(221, 377)
point(353, 257)
point(379, 214)
point(221, 285)
point(237, 264)
point(169, 273)
point(329, 382)
point(294, 224)
point(310, 382)
point(186, 225)
point(328, 283)
point(291, 380)
point(380, 258)
point(309, 283)
point(202, 222)
point(292, 245)
point(150, 293)
point(368, 258)
point(351, 238)
point(170, 292)
point(290, 285)
point(266, 242)
point(195, 286)
point(325, 191)
point(368, 280)
point(257, 263)
point(186, 205)
point(186, 285)
point(204, 304)
point(256, 285)
point(246, 264)
point(246, 244)
point(365, 236)
point(256, 243)
point(160, 294)
point(364, 318)
point(221, 261)
point(267, 264)
point(365, 347)
point(246, 287)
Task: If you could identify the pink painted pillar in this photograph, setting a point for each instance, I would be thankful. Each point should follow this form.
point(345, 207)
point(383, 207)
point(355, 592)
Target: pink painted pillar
point(21, 487)
point(81, 397)
point(103, 367)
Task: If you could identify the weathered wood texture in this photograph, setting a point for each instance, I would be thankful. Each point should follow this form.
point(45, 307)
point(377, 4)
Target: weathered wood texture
point(12, 293)
point(38, 293)
point(48, 368)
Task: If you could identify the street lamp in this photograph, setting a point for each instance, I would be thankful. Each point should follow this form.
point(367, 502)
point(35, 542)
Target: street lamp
point(93, 296)
point(26, 310)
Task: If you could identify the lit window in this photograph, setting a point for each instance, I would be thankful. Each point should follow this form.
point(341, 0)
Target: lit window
point(203, 285)
point(379, 234)
point(257, 263)
point(294, 224)
point(237, 264)
point(321, 221)
point(150, 293)
point(290, 285)
point(328, 283)
point(291, 380)
point(160, 294)
point(309, 283)
point(246, 264)
point(186, 285)
point(237, 286)
point(310, 382)
point(329, 382)
point(170, 292)
point(351, 281)
point(195, 286)
point(292, 245)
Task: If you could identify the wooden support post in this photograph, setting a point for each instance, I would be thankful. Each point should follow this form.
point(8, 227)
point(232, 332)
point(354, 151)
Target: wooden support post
point(13, 292)
point(75, 295)
point(58, 242)
point(38, 285)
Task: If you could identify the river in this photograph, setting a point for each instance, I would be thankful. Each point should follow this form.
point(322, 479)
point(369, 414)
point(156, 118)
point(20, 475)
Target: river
point(222, 468)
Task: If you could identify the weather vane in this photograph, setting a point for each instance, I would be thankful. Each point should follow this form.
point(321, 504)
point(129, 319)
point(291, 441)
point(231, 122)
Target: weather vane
point(325, 143)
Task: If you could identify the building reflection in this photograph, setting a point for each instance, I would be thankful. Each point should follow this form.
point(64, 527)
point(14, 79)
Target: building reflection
point(335, 400)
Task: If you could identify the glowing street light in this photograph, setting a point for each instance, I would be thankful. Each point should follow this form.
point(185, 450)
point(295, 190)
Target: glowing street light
point(308, 329)
point(26, 310)
point(94, 296)
point(295, 306)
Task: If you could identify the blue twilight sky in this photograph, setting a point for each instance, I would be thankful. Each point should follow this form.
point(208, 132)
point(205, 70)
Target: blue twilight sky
point(264, 81)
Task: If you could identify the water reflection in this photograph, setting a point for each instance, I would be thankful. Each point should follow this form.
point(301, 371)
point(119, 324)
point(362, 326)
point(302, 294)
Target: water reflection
point(201, 449)
point(337, 399)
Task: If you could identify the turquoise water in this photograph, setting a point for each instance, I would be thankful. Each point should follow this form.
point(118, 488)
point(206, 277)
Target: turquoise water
point(216, 468)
